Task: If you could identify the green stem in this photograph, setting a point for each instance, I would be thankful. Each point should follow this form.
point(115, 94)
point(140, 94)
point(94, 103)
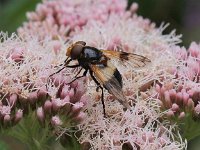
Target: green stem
point(190, 127)
point(30, 132)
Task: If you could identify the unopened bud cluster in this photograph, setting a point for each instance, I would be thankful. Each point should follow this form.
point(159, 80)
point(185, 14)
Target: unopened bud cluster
point(62, 18)
point(181, 95)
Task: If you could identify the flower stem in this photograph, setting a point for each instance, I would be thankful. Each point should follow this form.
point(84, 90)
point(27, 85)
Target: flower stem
point(30, 132)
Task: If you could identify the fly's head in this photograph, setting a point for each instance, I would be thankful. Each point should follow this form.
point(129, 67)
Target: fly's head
point(74, 50)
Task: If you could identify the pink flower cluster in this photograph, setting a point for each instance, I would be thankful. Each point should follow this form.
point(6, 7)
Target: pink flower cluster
point(60, 18)
point(181, 95)
point(170, 82)
point(136, 129)
point(26, 86)
point(128, 128)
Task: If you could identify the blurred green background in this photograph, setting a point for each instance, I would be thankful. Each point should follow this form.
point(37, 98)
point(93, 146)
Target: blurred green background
point(183, 15)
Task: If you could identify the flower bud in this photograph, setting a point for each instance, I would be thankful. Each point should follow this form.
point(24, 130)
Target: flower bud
point(74, 84)
point(195, 96)
point(71, 92)
point(170, 113)
point(185, 98)
point(57, 104)
point(134, 7)
point(18, 116)
point(67, 107)
point(80, 117)
point(57, 79)
point(175, 107)
point(158, 88)
point(191, 92)
point(42, 93)
point(190, 104)
point(162, 90)
point(179, 98)
point(197, 109)
point(48, 107)
point(172, 94)
point(182, 115)
point(55, 121)
point(80, 90)
point(194, 49)
point(40, 115)
point(6, 120)
point(64, 92)
point(5, 110)
point(167, 99)
point(33, 97)
point(76, 108)
point(13, 99)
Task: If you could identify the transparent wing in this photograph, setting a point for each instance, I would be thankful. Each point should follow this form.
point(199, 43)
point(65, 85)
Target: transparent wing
point(105, 75)
point(127, 58)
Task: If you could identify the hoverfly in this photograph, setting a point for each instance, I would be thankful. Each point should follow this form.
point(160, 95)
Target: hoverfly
point(98, 63)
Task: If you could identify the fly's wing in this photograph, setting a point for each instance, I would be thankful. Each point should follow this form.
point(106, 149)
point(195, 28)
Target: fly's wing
point(110, 78)
point(129, 58)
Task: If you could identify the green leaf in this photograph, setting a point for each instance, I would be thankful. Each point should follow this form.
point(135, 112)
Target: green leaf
point(13, 13)
point(190, 127)
point(30, 132)
point(3, 146)
point(69, 142)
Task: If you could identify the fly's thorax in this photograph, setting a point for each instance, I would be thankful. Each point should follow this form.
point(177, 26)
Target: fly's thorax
point(92, 53)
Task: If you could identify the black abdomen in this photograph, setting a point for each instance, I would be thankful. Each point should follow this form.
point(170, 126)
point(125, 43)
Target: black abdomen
point(118, 76)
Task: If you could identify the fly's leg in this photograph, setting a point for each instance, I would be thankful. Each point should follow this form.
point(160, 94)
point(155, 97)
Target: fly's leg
point(84, 74)
point(72, 66)
point(56, 72)
point(102, 95)
point(78, 73)
point(66, 62)
point(66, 66)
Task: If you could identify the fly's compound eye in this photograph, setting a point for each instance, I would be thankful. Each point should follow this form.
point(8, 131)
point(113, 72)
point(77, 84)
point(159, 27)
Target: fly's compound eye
point(76, 51)
point(81, 43)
